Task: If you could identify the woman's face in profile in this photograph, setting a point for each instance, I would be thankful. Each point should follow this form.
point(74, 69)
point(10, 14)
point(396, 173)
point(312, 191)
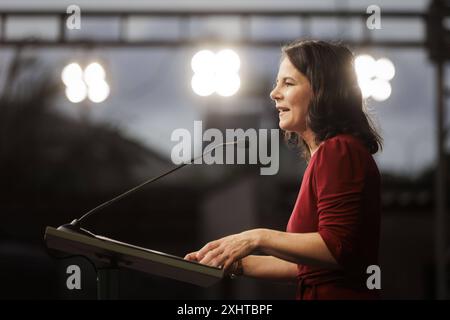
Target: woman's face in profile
point(292, 94)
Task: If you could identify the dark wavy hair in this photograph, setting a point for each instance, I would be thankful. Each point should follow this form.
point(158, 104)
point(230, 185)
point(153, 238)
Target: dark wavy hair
point(337, 105)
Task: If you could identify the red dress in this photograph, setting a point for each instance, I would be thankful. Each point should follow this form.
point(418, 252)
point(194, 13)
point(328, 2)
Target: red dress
point(340, 199)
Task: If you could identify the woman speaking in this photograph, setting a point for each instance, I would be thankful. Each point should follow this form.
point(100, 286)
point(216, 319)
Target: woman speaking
point(332, 235)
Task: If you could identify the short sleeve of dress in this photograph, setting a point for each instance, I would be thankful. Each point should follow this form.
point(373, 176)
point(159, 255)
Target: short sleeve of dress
point(339, 174)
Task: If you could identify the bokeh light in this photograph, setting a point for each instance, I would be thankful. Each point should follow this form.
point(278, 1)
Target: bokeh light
point(90, 83)
point(228, 84)
point(98, 92)
point(94, 73)
point(76, 92)
point(71, 74)
point(203, 84)
point(373, 76)
point(385, 69)
point(216, 73)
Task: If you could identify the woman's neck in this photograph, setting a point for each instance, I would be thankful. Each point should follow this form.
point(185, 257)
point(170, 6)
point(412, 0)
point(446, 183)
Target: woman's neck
point(309, 137)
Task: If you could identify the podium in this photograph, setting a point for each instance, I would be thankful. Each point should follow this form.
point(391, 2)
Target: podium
point(108, 255)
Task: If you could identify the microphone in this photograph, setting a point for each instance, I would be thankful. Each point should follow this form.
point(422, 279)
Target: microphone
point(75, 225)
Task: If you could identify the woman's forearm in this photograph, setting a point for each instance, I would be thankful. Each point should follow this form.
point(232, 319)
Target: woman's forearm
point(294, 248)
point(270, 268)
point(299, 248)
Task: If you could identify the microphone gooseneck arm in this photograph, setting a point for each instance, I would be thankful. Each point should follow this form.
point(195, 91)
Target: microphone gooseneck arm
point(75, 225)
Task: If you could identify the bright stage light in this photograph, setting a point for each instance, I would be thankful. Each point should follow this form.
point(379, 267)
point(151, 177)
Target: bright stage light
point(76, 92)
point(227, 61)
point(203, 84)
point(373, 76)
point(365, 86)
point(385, 69)
point(380, 89)
point(228, 84)
point(365, 66)
point(215, 73)
point(203, 61)
point(99, 92)
point(72, 73)
point(94, 73)
point(89, 83)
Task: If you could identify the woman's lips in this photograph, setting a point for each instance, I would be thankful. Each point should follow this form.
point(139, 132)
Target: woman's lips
point(282, 110)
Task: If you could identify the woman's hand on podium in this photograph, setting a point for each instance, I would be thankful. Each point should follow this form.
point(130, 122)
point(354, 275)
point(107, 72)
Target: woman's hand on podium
point(226, 252)
point(233, 271)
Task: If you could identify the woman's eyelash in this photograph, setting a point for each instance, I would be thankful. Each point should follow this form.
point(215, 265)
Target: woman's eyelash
point(286, 83)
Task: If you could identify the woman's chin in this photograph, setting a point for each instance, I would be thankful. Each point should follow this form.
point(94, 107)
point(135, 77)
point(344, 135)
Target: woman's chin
point(284, 126)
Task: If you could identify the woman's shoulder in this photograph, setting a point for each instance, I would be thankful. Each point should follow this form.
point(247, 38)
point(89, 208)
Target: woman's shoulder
point(342, 146)
point(343, 140)
point(343, 154)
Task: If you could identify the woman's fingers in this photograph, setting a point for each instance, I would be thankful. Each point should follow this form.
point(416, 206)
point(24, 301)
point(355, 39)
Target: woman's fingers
point(206, 249)
point(212, 258)
point(191, 256)
point(206, 254)
point(228, 264)
point(219, 253)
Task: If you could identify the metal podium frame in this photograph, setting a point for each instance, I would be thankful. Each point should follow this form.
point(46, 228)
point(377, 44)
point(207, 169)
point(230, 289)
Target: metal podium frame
point(109, 255)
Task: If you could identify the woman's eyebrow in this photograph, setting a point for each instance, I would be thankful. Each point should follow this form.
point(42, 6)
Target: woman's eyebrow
point(287, 78)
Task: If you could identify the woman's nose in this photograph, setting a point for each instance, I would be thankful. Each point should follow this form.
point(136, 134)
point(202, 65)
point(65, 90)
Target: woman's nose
point(274, 94)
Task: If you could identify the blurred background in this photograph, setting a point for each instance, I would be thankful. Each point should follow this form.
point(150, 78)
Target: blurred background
point(87, 112)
